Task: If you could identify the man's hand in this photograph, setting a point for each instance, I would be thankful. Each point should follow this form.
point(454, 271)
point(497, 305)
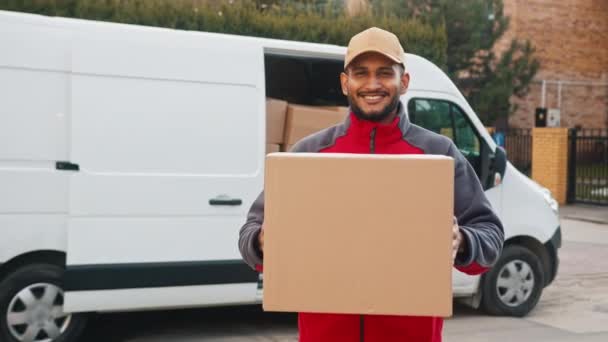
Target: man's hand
point(457, 244)
point(261, 240)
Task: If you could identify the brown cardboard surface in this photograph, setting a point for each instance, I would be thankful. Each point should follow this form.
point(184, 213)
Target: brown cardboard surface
point(359, 234)
point(271, 148)
point(336, 108)
point(286, 148)
point(302, 121)
point(276, 111)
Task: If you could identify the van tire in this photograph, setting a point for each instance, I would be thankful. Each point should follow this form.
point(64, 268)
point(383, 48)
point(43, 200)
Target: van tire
point(50, 276)
point(528, 279)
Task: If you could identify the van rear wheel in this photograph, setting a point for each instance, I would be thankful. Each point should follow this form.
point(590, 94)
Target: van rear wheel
point(31, 307)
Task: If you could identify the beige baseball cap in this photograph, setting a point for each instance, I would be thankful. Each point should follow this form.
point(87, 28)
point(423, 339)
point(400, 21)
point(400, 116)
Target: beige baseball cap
point(375, 40)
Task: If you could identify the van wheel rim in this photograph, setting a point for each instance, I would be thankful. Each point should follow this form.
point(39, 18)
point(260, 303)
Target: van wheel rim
point(515, 283)
point(35, 314)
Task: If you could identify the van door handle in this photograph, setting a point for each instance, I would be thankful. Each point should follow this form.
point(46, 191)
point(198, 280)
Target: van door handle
point(66, 166)
point(225, 201)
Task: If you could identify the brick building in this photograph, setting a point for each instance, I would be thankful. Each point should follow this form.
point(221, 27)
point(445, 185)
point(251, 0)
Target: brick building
point(571, 41)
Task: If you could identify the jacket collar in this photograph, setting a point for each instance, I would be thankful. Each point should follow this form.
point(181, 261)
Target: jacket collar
point(364, 128)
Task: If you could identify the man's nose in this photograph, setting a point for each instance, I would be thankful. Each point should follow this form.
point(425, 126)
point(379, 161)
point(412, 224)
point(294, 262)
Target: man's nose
point(373, 83)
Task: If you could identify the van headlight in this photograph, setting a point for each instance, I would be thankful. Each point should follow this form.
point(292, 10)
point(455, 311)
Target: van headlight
point(550, 200)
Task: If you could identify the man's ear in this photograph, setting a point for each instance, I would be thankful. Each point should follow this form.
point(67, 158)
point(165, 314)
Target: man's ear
point(344, 83)
point(405, 82)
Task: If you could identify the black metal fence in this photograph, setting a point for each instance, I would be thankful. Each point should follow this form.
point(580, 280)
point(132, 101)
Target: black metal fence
point(518, 145)
point(588, 166)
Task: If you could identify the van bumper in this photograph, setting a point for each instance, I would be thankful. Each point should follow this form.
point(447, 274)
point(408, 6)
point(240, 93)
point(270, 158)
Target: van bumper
point(552, 247)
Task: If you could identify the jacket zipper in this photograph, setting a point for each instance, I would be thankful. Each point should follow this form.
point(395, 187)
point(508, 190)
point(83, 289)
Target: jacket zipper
point(372, 141)
point(372, 150)
point(361, 328)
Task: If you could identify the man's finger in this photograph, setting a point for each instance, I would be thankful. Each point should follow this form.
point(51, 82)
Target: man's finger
point(261, 240)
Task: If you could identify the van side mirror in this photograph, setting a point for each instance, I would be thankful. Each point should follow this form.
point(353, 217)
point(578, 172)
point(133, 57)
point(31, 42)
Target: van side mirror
point(500, 160)
point(498, 166)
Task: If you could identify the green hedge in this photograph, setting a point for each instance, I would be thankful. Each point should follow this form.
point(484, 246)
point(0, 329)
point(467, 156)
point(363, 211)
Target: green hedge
point(300, 21)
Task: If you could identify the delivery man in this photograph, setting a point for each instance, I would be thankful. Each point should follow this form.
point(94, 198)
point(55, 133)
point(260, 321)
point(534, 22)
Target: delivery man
point(374, 78)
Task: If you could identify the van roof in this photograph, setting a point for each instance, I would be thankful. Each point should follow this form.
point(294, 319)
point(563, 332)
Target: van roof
point(424, 74)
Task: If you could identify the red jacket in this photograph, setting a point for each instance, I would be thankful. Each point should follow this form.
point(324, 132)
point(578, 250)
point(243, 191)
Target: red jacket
point(480, 227)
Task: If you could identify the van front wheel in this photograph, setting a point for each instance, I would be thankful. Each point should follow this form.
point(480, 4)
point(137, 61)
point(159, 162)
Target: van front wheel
point(514, 285)
point(31, 304)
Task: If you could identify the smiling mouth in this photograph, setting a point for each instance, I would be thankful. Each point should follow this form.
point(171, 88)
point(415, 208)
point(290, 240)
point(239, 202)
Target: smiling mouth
point(372, 98)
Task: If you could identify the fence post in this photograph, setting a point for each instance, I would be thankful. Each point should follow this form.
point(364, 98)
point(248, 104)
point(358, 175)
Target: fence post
point(550, 160)
point(572, 165)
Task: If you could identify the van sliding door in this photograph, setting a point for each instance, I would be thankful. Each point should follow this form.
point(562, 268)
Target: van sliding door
point(167, 130)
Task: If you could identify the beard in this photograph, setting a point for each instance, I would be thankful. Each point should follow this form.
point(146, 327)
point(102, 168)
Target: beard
point(374, 116)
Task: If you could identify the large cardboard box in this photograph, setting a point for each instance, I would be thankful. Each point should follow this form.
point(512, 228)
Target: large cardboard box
point(272, 148)
point(276, 111)
point(337, 108)
point(302, 121)
point(286, 148)
point(358, 234)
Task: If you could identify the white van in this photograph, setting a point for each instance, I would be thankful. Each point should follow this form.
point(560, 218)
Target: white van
point(129, 157)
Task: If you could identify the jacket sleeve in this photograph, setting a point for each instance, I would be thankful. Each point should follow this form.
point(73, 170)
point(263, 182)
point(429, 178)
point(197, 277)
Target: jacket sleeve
point(248, 235)
point(481, 229)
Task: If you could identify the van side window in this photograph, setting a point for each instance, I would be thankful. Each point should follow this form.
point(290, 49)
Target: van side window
point(304, 80)
point(446, 118)
point(465, 137)
point(432, 115)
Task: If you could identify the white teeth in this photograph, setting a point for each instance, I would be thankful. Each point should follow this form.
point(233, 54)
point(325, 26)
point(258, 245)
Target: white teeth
point(374, 97)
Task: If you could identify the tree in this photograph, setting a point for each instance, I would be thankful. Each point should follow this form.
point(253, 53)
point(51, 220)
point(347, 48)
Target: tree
point(492, 88)
point(488, 80)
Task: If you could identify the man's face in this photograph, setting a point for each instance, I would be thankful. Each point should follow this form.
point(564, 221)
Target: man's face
point(373, 84)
